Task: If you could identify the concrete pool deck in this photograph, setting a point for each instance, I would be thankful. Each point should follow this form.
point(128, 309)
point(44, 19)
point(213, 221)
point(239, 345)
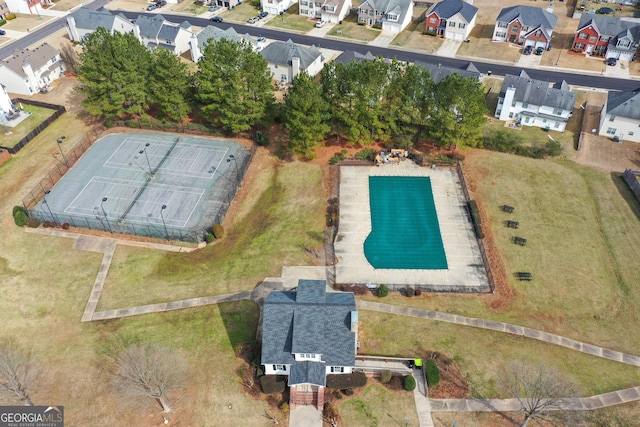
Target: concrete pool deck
point(466, 271)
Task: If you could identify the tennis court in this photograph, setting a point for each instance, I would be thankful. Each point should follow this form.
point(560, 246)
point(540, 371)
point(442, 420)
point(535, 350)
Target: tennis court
point(405, 232)
point(150, 184)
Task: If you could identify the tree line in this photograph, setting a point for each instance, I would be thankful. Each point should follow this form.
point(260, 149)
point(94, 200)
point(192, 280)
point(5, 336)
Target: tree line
point(232, 89)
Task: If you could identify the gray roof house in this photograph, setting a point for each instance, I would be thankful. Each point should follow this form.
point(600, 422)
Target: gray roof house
point(155, 31)
point(453, 19)
point(390, 15)
point(439, 72)
point(610, 36)
point(287, 59)
point(532, 102)
point(29, 71)
point(308, 333)
point(85, 21)
point(525, 25)
point(621, 116)
point(199, 43)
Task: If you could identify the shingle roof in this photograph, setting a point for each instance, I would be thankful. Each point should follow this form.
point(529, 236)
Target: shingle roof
point(282, 53)
point(93, 19)
point(216, 34)
point(529, 16)
point(606, 25)
point(624, 104)
point(439, 72)
point(309, 320)
point(308, 373)
point(37, 58)
point(537, 92)
point(447, 8)
point(150, 25)
point(398, 7)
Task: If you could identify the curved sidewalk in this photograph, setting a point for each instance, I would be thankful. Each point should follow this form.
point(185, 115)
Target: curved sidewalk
point(502, 327)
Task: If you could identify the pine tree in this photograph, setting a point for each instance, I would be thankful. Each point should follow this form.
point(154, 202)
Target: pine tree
point(169, 85)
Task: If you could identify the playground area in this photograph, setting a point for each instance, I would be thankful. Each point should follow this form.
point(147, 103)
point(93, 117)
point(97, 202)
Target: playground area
point(148, 184)
point(433, 249)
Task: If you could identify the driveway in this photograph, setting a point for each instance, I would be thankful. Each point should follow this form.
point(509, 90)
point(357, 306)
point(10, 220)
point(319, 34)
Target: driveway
point(449, 48)
point(305, 416)
point(384, 39)
point(530, 61)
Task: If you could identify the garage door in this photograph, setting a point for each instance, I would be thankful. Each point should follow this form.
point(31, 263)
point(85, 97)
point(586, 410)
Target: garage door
point(458, 36)
point(626, 56)
point(272, 10)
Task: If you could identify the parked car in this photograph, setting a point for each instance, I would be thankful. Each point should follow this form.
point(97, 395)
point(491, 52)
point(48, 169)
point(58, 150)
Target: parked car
point(152, 6)
point(612, 61)
point(320, 24)
point(161, 3)
point(263, 15)
point(527, 50)
point(215, 19)
point(261, 39)
point(253, 20)
point(214, 8)
point(539, 50)
point(2, 32)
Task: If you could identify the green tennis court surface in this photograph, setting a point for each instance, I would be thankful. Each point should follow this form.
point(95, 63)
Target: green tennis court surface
point(405, 233)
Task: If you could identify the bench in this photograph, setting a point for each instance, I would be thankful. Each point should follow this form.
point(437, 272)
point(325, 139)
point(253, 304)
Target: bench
point(508, 209)
point(513, 224)
point(524, 276)
point(520, 241)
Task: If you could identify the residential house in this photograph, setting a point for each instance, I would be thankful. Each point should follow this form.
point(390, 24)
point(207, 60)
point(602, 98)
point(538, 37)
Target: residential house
point(199, 43)
point(390, 15)
point(6, 106)
point(276, 7)
point(325, 10)
point(85, 21)
point(607, 36)
point(621, 116)
point(349, 56)
point(532, 102)
point(453, 19)
point(222, 3)
point(439, 72)
point(307, 334)
point(155, 31)
point(525, 25)
point(30, 71)
point(4, 9)
point(27, 7)
point(287, 59)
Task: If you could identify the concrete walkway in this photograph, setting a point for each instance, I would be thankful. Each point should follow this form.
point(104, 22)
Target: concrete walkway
point(305, 416)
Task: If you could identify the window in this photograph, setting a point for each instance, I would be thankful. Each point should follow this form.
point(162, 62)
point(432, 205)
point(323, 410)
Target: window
point(304, 12)
point(579, 45)
point(557, 112)
point(513, 103)
point(557, 125)
point(501, 34)
point(462, 25)
point(330, 8)
point(318, 4)
point(280, 367)
point(538, 33)
point(502, 25)
point(525, 105)
point(337, 369)
point(593, 39)
point(452, 24)
point(623, 43)
point(630, 133)
point(604, 38)
point(304, 3)
point(371, 13)
point(307, 356)
point(168, 41)
point(526, 119)
point(514, 29)
point(433, 20)
point(611, 131)
point(544, 120)
point(612, 118)
point(283, 77)
point(392, 17)
point(511, 115)
point(583, 36)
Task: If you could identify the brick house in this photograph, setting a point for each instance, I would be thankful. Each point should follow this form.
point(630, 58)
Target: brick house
point(607, 36)
point(525, 25)
point(453, 19)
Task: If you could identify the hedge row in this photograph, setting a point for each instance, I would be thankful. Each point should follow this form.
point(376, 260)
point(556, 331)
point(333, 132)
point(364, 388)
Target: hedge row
point(476, 220)
point(344, 381)
point(433, 373)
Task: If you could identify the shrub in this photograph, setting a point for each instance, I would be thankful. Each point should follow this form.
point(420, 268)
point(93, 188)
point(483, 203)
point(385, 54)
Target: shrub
point(10, 16)
point(108, 122)
point(338, 157)
point(33, 223)
point(409, 383)
point(366, 154)
point(385, 376)
point(65, 226)
point(475, 212)
point(342, 381)
point(209, 238)
point(20, 218)
point(383, 290)
point(48, 224)
point(410, 291)
point(261, 139)
point(218, 231)
point(19, 208)
point(418, 292)
point(433, 373)
point(553, 148)
point(3, 21)
point(284, 408)
point(272, 384)
point(347, 392)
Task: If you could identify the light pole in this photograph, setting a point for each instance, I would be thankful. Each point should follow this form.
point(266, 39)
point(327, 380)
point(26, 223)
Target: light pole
point(104, 199)
point(44, 200)
point(59, 141)
point(232, 157)
point(166, 233)
point(144, 150)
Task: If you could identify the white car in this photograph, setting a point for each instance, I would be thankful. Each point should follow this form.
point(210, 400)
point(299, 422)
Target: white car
point(320, 24)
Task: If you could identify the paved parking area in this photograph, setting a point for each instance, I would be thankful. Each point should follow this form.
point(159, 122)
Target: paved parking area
point(465, 268)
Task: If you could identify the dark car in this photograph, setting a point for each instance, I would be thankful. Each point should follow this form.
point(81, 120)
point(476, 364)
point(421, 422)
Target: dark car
point(539, 50)
point(527, 50)
point(216, 19)
point(161, 3)
point(612, 61)
point(2, 32)
point(604, 11)
point(262, 15)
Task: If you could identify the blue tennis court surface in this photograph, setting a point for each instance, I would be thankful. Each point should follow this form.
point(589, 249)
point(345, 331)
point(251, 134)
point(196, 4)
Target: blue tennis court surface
point(405, 233)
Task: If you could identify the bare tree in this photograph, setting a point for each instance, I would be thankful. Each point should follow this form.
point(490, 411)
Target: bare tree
point(149, 370)
point(544, 393)
point(17, 373)
point(70, 57)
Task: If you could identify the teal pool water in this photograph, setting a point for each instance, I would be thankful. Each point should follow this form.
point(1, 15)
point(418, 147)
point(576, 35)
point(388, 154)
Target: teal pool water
point(405, 233)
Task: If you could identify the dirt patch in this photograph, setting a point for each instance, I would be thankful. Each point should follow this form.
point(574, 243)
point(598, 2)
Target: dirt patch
point(452, 384)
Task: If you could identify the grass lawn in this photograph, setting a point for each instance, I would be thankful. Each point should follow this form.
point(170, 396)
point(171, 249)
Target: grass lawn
point(412, 37)
point(38, 115)
point(350, 29)
point(289, 211)
point(292, 20)
point(189, 7)
point(241, 12)
point(468, 347)
point(378, 406)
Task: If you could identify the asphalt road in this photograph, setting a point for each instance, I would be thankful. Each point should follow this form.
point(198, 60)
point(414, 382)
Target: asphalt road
point(589, 81)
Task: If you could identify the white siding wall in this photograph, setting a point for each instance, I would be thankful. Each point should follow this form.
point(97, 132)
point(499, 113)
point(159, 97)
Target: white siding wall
point(626, 128)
